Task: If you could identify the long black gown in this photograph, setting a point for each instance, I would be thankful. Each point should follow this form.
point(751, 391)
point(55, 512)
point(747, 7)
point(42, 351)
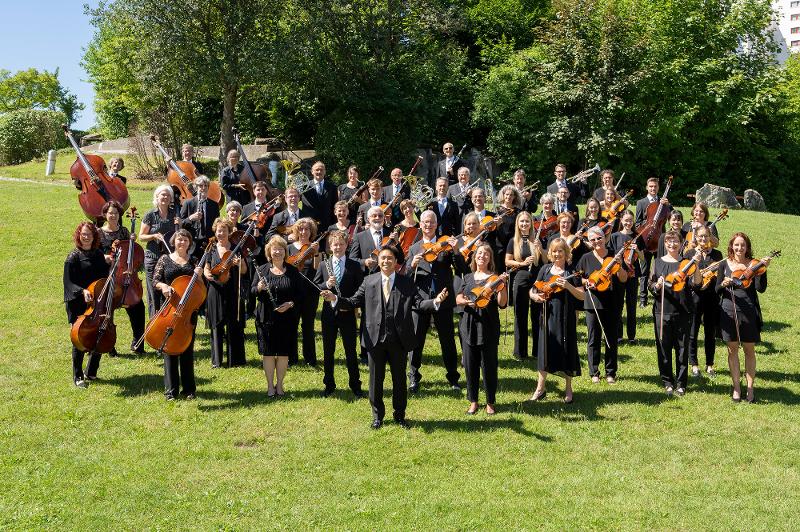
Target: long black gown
point(747, 310)
point(559, 354)
point(277, 331)
point(224, 320)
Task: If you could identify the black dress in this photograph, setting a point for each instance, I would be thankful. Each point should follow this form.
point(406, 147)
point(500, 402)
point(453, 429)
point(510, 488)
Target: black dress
point(177, 368)
point(559, 330)
point(345, 193)
point(277, 331)
point(522, 282)
point(307, 309)
point(82, 268)
point(480, 337)
point(224, 320)
point(747, 310)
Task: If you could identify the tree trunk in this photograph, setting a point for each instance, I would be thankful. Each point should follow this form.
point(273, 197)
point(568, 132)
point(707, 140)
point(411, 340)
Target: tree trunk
point(229, 95)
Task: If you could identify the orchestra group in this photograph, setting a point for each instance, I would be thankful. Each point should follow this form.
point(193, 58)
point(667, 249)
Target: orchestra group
point(386, 267)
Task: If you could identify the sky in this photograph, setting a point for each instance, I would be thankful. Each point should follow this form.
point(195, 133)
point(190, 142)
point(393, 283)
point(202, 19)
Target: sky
point(49, 34)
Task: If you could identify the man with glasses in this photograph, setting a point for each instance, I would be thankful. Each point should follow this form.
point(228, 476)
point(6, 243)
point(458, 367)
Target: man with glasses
point(449, 166)
point(576, 190)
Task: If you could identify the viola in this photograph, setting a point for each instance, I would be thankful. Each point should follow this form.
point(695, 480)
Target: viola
point(95, 330)
point(222, 271)
point(126, 276)
point(709, 274)
point(677, 279)
point(656, 216)
point(616, 208)
point(603, 277)
point(575, 240)
point(744, 278)
point(392, 239)
point(432, 250)
point(97, 187)
point(546, 288)
point(171, 330)
point(689, 240)
point(305, 251)
point(181, 175)
point(546, 226)
point(628, 258)
point(469, 246)
point(482, 295)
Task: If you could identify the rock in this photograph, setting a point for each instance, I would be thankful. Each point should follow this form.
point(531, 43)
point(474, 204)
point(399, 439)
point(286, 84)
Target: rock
point(717, 197)
point(754, 201)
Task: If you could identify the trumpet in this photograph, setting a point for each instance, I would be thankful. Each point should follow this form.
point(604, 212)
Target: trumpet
point(582, 176)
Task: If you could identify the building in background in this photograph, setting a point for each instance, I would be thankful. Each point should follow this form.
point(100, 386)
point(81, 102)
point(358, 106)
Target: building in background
point(787, 29)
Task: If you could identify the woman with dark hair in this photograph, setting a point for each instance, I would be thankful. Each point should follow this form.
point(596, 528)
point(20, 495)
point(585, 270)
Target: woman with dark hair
point(480, 329)
point(84, 265)
point(305, 234)
point(740, 313)
point(111, 231)
point(706, 305)
point(675, 224)
point(700, 219)
point(178, 370)
point(626, 296)
point(592, 213)
point(347, 190)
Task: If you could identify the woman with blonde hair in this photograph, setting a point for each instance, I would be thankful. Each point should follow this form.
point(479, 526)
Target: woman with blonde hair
point(524, 251)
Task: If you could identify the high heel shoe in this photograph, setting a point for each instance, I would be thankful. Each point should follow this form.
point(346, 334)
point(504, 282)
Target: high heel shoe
point(751, 396)
point(471, 411)
point(538, 396)
point(734, 398)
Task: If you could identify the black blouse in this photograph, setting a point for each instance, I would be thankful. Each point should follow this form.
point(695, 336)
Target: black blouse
point(159, 225)
point(674, 302)
point(479, 326)
point(108, 238)
point(602, 300)
point(81, 268)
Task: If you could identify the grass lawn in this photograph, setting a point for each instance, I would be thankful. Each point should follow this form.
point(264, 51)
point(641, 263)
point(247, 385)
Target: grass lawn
point(118, 456)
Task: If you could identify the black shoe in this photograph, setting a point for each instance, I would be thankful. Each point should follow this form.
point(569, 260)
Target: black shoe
point(113, 352)
point(620, 341)
point(137, 350)
point(403, 423)
point(170, 397)
point(358, 394)
point(455, 387)
point(80, 383)
point(642, 303)
point(327, 392)
point(413, 388)
point(632, 341)
point(376, 424)
point(364, 360)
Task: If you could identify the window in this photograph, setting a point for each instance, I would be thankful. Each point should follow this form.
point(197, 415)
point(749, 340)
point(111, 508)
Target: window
point(796, 30)
point(794, 3)
point(795, 44)
point(795, 17)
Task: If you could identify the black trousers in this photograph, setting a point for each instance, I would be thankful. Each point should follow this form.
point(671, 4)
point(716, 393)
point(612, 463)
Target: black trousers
point(443, 319)
point(393, 353)
point(627, 300)
point(477, 358)
point(706, 314)
point(609, 319)
point(307, 316)
point(676, 337)
point(228, 337)
point(647, 259)
point(343, 323)
point(136, 317)
point(177, 368)
point(522, 306)
point(77, 364)
point(154, 297)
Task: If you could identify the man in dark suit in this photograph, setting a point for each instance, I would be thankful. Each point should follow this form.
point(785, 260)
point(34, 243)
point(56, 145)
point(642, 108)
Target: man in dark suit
point(375, 189)
point(640, 218)
point(530, 201)
point(576, 190)
point(198, 215)
point(460, 192)
point(369, 240)
point(563, 204)
point(396, 188)
point(260, 192)
point(448, 219)
point(430, 278)
point(343, 276)
point(318, 201)
point(449, 166)
point(389, 299)
point(282, 221)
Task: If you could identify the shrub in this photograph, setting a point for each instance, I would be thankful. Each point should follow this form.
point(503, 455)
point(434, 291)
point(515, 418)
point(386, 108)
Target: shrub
point(29, 133)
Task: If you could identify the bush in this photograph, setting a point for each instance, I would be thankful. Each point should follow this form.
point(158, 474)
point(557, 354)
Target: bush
point(29, 133)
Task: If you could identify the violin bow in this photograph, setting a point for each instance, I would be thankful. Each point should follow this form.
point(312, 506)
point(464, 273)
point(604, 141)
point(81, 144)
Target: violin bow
point(602, 329)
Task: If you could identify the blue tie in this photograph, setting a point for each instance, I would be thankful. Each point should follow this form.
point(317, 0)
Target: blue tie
point(337, 270)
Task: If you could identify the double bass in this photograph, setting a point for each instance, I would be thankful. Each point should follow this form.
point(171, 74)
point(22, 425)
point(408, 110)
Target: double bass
point(94, 330)
point(131, 261)
point(171, 330)
point(655, 217)
point(181, 175)
point(97, 187)
point(254, 172)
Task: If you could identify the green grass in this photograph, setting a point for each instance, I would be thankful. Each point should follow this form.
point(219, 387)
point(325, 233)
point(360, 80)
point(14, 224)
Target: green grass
point(119, 456)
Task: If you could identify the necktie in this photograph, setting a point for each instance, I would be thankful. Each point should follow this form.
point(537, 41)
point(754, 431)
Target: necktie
point(386, 289)
point(337, 270)
point(442, 207)
point(396, 190)
point(319, 187)
point(377, 237)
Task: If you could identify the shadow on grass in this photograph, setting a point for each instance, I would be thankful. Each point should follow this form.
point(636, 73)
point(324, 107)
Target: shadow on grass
point(586, 406)
point(478, 423)
point(137, 385)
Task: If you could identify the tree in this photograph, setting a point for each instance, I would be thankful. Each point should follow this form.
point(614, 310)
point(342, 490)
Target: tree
point(31, 89)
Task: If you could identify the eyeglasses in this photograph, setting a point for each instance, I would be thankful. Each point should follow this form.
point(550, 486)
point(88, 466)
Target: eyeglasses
point(598, 239)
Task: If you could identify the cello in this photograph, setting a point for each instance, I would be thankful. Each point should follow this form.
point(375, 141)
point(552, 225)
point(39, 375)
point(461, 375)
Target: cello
point(181, 174)
point(125, 272)
point(171, 330)
point(97, 187)
point(94, 330)
point(655, 217)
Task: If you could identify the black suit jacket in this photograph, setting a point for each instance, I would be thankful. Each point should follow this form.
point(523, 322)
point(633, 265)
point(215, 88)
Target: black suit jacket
point(200, 229)
point(403, 300)
point(576, 190)
point(363, 246)
point(641, 210)
point(431, 278)
point(320, 207)
point(464, 202)
point(280, 220)
point(449, 222)
point(452, 177)
point(352, 277)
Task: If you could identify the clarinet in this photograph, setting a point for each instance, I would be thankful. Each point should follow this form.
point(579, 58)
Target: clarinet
point(328, 260)
point(269, 288)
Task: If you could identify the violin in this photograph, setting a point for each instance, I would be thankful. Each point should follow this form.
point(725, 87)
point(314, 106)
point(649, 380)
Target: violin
point(656, 216)
point(628, 258)
point(744, 278)
point(97, 187)
point(222, 271)
point(689, 240)
point(602, 278)
point(573, 241)
point(94, 330)
point(432, 250)
point(181, 174)
point(482, 295)
point(616, 208)
point(546, 226)
point(125, 273)
point(171, 330)
point(709, 274)
point(677, 279)
point(546, 288)
point(305, 250)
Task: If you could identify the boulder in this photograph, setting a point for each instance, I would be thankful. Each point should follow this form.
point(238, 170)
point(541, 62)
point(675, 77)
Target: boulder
point(717, 197)
point(753, 201)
